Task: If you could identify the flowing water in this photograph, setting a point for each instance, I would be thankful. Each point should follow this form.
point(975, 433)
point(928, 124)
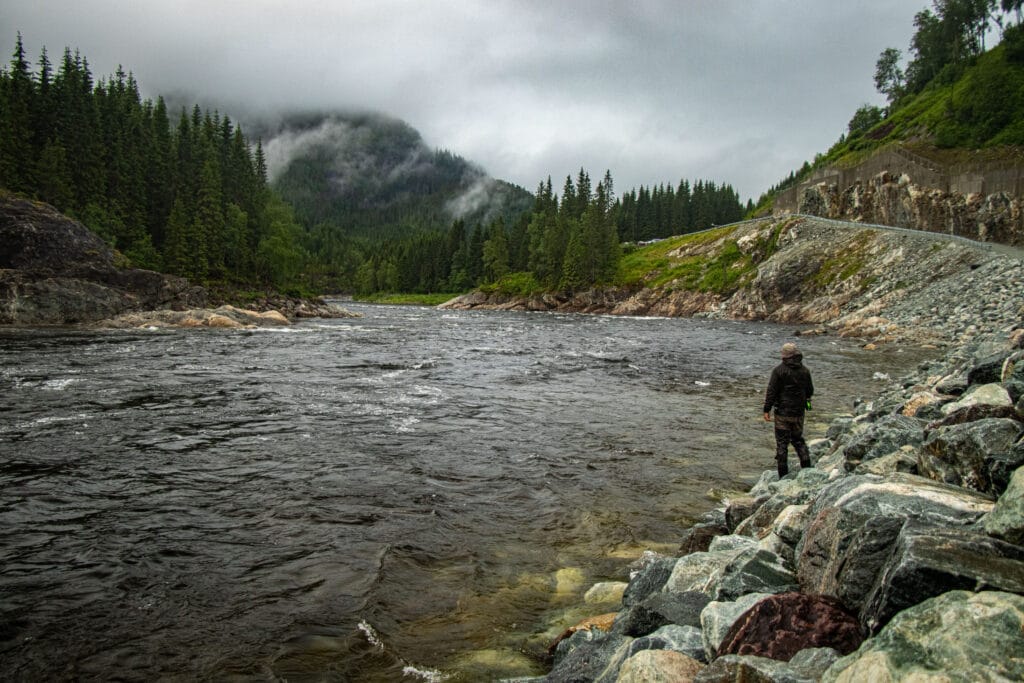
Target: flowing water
point(412, 495)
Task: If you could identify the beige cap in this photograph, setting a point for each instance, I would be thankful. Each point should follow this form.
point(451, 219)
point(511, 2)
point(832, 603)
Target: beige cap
point(789, 350)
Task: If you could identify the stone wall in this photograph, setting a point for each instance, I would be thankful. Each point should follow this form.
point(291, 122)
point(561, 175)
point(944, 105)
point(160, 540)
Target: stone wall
point(953, 193)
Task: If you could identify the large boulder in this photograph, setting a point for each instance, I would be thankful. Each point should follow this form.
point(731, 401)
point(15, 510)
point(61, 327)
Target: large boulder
point(1006, 521)
point(806, 666)
point(650, 578)
point(54, 270)
point(585, 656)
point(974, 636)
point(781, 625)
point(753, 570)
point(978, 455)
point(718, 617)
point(929, 560)
point(695, 572)
point(847, 506)
point(980, 395)
point(661, 609)
point(883, 437)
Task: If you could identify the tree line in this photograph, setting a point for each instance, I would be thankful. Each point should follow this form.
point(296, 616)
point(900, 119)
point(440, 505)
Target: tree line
point(189, 199)
point(567, 241)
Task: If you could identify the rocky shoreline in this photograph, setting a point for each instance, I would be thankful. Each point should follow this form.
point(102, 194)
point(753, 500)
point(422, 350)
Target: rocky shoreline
point(879, 285)
point(898, 556)
point(54, 271)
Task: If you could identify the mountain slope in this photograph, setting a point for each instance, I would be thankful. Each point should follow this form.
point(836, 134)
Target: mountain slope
point(367, 175)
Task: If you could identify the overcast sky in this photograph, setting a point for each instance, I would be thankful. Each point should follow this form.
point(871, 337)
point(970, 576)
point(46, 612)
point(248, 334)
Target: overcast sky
point(735, 91)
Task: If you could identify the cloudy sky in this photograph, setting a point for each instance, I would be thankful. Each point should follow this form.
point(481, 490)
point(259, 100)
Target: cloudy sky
point(735, 91)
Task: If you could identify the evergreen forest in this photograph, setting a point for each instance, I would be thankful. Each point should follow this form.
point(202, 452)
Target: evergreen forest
point(187, 193)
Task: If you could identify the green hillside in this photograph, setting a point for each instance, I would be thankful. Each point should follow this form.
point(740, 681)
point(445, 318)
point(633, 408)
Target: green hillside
point(367, 175)
point(951, 100)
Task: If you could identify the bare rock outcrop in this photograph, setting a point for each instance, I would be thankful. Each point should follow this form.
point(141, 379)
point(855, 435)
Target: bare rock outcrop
point(53, 270)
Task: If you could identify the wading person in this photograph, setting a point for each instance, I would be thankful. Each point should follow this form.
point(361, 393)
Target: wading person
point(789, 394)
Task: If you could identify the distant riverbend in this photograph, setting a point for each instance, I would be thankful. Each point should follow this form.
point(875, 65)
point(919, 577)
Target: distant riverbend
point(415, 490)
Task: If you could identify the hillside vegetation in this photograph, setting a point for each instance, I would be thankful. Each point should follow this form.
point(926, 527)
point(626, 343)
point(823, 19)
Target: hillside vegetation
point(952, 101)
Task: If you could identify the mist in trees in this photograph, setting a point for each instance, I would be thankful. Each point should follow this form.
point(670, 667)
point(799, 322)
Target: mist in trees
point(186, 193)
point(188, 198)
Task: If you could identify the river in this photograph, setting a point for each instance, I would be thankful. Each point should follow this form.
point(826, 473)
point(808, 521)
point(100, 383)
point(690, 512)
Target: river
point(412, 495)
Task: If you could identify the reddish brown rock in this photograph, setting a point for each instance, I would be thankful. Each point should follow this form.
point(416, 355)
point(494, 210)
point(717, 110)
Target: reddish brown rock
point(781, 625)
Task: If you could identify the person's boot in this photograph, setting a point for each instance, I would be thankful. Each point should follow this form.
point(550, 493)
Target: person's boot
point(804, 454)
point(783, 468)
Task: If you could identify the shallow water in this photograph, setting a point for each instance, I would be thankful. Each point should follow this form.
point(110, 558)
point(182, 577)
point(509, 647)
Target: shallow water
point(415, 491)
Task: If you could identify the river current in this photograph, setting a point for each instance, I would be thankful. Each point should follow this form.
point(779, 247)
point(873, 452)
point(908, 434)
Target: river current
point(412, 495)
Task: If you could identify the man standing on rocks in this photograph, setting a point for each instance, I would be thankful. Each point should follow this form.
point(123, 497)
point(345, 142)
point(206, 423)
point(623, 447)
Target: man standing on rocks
point(789, 393)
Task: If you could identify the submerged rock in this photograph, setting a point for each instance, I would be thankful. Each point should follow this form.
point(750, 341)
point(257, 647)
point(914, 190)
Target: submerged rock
point(975, 635)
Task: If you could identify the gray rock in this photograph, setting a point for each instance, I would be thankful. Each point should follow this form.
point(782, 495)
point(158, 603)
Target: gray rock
point(731, 542)
point(739, 509)
point(844, 507)
point(733, 668)
point(1006, 521)
point(650, 579)
point(929, 560)
point(851, 575)
point(585, 658)
point(694, 572)
point(814, 661)
point(791, 523)
point(661, 609)
point(687, 640)
point(977, 455)
point(988, 369)
point(883, 437)
point(903, 460)
point(718, 617)
point(980, 395)
point(753, 571)
point(953, 385)
point(975, 635)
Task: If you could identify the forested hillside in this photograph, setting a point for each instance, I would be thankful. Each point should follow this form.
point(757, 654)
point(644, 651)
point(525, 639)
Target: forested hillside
point(953, 97)
point(357, 203)
point(188, 199)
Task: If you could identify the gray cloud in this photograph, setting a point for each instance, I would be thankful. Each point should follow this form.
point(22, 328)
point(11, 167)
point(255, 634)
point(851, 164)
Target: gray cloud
point(738, 91)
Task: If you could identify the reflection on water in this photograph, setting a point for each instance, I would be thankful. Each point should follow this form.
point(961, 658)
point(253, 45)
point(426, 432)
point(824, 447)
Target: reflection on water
point(415, 490)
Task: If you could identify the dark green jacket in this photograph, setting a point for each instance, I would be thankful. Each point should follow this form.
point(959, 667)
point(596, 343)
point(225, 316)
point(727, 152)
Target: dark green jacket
point(789, 388)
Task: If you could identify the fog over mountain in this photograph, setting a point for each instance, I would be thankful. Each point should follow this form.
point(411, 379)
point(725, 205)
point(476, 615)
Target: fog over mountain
point(739, 91)
point(364, 172)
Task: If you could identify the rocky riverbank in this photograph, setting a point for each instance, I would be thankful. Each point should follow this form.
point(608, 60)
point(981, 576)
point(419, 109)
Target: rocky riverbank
point(898, 556)
point(875, 284)
point(55, 271)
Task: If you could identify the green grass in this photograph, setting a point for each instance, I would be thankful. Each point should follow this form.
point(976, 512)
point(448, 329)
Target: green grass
point(705, 267)
point(514, 284)
point(409, 299)
point(846, 263)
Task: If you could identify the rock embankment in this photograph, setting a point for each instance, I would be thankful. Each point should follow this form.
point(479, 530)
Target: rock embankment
point(893, 199)
point(877, 284)
point(899, 555)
